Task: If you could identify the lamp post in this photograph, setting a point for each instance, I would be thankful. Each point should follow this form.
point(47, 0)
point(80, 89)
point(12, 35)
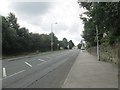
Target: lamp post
point(52, 36)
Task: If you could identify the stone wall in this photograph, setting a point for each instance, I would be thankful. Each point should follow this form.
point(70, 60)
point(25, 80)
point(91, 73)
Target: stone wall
point(107, 53)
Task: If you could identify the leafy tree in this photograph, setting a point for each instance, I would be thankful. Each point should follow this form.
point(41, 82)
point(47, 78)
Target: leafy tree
point(65, 43)
point(12, 20)
point(106, 16)
point(79, 46)
point(9, 37)
point(71, 44)
point(16, 39)
point(45, 42)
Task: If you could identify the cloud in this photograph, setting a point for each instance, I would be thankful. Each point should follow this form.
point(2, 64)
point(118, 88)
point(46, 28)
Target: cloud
point(31, 13)
point(74, 29)
point(60, 27)
point(31, 8)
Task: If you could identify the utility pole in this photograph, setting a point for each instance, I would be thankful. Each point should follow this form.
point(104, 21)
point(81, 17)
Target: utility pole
point(98, 54)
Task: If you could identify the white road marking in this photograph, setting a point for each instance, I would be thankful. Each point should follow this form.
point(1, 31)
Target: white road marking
point(40, 64)
point(4, 72)
point(48, 57)
point(28, 64)
point(14, 74)
point(42, 60)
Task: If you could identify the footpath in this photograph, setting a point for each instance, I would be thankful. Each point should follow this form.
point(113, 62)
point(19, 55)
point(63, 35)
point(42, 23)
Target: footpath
point(88, 72)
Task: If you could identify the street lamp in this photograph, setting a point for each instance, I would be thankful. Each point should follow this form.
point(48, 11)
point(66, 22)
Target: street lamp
point(52, 35)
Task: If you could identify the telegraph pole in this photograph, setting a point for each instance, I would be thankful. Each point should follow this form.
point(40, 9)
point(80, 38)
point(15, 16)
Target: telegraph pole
point(98, 54)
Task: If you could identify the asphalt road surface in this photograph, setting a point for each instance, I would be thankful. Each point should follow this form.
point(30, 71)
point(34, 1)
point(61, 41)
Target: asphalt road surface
point(41, 71)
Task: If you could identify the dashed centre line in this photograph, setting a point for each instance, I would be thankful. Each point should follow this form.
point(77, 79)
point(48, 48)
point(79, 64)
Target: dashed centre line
point(48, 57)
point(28, 64)
point(40, 64)
point(4, 72)
point(42, 60)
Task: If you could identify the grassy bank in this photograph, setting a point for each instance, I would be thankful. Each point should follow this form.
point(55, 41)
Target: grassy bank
point(107, 53)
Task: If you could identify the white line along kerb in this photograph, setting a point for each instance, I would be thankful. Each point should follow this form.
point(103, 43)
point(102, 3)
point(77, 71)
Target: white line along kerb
point(28, 64)
point(42, 60)
point(4, 72)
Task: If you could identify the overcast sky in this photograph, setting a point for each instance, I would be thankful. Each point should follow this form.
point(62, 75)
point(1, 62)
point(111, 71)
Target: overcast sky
point(38, 16)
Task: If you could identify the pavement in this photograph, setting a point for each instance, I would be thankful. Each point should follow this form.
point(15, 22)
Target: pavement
point(88, 72)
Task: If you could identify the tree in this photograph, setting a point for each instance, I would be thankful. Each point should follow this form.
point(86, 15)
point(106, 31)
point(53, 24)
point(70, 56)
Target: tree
point(45, 42)
point(12, 20)
point(71, 44)
point(16, 39)
point(106, 17)
point(65, 43)
point(79, 46)
point(9, 37)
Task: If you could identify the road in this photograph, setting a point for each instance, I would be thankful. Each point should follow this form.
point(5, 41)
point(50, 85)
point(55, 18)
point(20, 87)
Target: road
point(40, 71)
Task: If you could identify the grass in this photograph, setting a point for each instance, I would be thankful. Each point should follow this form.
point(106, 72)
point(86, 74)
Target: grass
point(20, 55)
point(4, 57)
